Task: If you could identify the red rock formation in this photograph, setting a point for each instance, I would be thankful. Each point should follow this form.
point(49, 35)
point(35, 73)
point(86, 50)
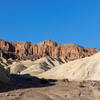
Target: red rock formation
point(46, 48)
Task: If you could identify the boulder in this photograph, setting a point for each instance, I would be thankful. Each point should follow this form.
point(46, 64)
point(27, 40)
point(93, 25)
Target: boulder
point(4, 75)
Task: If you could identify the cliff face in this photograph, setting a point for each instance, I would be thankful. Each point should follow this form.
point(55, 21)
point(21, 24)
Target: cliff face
point(20, 50)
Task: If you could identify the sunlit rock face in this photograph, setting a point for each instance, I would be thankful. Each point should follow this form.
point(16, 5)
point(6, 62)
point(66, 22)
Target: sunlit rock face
point(25, 49)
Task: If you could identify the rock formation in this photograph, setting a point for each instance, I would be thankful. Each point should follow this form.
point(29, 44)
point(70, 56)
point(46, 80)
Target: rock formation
point(24, 50)
point(4, 75)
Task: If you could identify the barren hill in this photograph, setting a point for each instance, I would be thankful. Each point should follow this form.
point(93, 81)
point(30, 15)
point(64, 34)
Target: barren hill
point(24, 50)
point(35, 67)
point(82, 69)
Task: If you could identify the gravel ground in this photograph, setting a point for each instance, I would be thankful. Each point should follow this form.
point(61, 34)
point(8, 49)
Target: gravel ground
point(33, 89)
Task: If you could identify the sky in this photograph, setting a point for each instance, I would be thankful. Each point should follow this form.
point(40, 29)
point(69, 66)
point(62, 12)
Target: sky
point(63, 21)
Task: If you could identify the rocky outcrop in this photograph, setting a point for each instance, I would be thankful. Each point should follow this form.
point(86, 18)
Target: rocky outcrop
point(24, 50)
point(4, 75)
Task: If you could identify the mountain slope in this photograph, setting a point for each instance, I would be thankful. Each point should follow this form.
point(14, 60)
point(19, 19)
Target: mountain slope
point(35, 67)
point(82, 69)
point(43, 64)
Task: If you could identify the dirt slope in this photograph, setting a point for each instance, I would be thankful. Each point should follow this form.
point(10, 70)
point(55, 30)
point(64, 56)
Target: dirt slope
point(82, 69)
point(35, 67)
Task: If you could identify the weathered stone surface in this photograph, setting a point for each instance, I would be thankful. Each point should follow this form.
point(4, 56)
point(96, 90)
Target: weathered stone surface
point(20, 50)
point(4, 75)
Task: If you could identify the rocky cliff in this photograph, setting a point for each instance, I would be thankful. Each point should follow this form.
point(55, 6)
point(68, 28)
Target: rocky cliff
point(24, 50)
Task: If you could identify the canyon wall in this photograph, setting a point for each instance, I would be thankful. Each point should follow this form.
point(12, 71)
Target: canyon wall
point(25, 50)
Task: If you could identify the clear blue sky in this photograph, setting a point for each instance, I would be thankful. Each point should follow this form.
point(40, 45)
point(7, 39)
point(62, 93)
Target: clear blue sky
point(64, 21)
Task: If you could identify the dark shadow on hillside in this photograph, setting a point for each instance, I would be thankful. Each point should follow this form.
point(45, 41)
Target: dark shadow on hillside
point(23, 82)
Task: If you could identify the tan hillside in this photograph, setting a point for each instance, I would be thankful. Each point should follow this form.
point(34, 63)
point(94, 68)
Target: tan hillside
point(35, 67)
point(82, 69)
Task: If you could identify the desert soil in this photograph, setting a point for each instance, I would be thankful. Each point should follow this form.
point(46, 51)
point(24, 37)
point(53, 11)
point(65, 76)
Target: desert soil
point(28, 89)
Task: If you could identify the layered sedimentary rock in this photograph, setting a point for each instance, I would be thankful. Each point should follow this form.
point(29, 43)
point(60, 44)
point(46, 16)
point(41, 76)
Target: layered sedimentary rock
point(20, 50)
